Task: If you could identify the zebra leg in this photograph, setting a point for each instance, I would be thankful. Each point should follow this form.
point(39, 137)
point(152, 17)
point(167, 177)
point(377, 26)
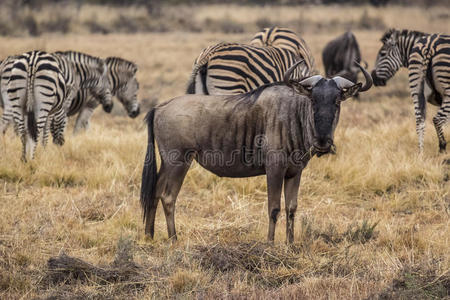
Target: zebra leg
point(57, 127)
point(46, 132)
point(83, 119)
point(417, 93)
point(28, 144)
point(439, 121)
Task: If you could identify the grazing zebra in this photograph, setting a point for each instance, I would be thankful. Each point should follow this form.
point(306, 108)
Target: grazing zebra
point(232, 68)
point(122, 79)
point(42, 86)
point(5, 73)
point(39, 82)
point(427, 57)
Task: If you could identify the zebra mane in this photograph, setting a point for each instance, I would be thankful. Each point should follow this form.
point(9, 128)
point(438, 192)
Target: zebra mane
point(74, 54)
point(405, 32)
point(120, 71)
point(122, 64)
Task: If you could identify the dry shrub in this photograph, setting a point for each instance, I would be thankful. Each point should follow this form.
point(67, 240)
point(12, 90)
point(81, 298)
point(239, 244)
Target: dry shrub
point(264, 22)
point(370, 23)
point(225, 25)
point(95, 27)
point(69, 270)
point(419, 281)
point(57, 23)
point(275, 266)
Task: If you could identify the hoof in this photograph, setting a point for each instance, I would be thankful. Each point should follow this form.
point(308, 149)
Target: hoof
point(442, 148)
point(108, 107)
point(59, 142)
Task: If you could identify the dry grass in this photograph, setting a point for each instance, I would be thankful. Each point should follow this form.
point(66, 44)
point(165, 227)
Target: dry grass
point(373, 221)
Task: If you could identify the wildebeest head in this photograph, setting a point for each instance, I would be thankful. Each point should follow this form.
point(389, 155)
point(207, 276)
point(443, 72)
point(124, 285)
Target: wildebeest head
point(388, 59)
point(326, 96)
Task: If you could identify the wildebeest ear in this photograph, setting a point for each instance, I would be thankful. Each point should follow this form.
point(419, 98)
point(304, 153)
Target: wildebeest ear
point(306, 85)
point(350, 91)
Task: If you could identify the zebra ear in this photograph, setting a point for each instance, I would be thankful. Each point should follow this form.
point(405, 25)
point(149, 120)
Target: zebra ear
point(134, 69)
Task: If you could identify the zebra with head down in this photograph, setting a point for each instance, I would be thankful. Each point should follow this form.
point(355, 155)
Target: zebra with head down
point(40, 89)
point(121, 75)
point(427, 57)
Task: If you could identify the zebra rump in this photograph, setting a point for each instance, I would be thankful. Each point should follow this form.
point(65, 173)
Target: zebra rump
point(232, 68)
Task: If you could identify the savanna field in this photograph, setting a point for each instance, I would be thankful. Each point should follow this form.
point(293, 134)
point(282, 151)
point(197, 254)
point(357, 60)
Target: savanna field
point(372, 222)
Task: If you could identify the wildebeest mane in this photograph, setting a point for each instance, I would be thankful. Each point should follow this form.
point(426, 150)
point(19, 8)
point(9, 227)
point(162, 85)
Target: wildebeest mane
point(252, 96)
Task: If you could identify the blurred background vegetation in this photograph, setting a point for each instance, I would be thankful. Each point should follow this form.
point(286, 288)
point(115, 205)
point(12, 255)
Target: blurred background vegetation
point(36, 17)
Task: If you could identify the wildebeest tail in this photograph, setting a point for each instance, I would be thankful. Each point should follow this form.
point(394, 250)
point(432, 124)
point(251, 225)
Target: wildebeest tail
point(149, 174)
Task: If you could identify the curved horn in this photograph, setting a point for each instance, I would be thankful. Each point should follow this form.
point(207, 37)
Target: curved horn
point(343, 83)
point(368, 78)
point(311, 81)
point(287, 75)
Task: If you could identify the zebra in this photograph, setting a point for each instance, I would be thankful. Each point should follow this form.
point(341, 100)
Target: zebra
point(286, 39)
point(38, 84)
point(5, 73)
point(232, 68)
point(123, 83)
point(427, 57)
point(44, 85)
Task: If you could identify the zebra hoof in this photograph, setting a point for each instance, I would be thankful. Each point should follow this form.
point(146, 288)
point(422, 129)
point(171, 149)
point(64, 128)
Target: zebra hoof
point(59, 142)
point(442, 147)
point(108, 107)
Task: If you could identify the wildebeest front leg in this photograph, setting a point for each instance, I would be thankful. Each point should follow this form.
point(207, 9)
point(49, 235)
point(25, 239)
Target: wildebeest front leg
point(291, 186)
point(274, 185)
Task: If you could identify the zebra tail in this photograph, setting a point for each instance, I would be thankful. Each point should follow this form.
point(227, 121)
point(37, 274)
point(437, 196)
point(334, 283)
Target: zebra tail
point(149, 174)
point(31, 118)
point(199, 68)
point(421, 96)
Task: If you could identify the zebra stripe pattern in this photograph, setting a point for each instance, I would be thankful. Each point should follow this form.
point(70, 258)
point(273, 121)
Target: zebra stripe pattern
point(45, 85)
point(232, 68)
point(123, 83)
point(8, 107)
point(285, 38)
point(36, 91)
point(90, 73)
point(427, 57)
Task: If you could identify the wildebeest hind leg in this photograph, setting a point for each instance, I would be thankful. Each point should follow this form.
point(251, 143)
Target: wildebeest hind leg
point(170, 179)
point(274, 186)
point(291, 186)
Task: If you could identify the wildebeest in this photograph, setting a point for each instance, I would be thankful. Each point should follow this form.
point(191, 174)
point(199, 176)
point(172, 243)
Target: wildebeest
point(273, 130)
point(340, 57)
